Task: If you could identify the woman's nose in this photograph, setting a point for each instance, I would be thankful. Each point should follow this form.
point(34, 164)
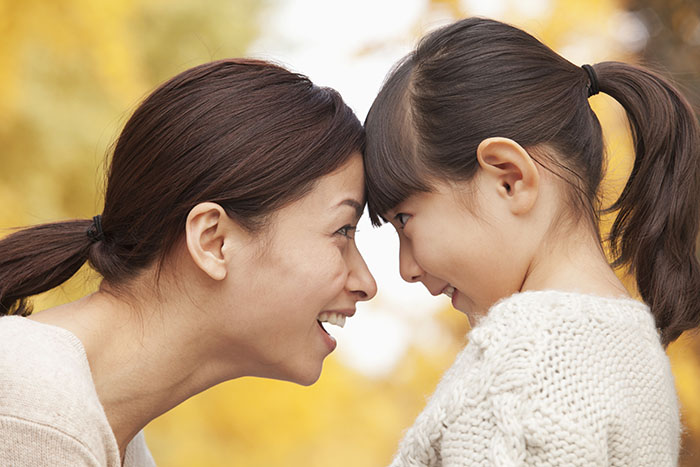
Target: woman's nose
point(361, 283)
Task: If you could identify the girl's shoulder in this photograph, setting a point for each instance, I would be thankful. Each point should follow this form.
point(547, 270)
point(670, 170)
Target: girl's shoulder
point(567, 301)
point(535, 331)
point(547, 311)
point(547, 335)
point(553, 368)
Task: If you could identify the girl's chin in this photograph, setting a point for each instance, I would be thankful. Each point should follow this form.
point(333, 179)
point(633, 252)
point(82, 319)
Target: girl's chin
point(463, 304)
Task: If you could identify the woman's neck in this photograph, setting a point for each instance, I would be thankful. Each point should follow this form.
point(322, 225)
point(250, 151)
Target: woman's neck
point(144, 361)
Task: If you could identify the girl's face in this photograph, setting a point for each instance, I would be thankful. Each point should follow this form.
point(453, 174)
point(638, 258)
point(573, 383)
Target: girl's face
point(304, 269)
point(458, 249)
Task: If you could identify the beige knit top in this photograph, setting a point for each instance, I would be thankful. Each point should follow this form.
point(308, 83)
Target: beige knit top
point(50, 413)
point(553, 379)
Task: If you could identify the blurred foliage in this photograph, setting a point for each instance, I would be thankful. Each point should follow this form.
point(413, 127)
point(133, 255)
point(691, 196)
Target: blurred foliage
point(674, 40)
point(72, 70)
point(673, 48)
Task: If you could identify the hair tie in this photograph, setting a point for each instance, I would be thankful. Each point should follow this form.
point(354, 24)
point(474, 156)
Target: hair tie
point(593, 87)
point(95, 232)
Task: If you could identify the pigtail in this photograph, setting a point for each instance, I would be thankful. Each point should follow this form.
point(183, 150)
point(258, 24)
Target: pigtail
point(656, 228)
point(40, 258)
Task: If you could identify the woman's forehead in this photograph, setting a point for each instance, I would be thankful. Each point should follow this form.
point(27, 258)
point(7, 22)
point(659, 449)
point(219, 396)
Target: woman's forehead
point(341, 190)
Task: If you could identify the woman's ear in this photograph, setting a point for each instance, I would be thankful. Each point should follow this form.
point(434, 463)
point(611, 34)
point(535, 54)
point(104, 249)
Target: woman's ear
point(512, 171)
point(209, 233)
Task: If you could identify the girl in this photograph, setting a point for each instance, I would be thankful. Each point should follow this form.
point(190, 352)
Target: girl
point(225, 242)
point(486, 157)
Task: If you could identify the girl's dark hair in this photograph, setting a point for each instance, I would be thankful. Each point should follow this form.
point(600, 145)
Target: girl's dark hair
point(246, 134)
point(480, 78)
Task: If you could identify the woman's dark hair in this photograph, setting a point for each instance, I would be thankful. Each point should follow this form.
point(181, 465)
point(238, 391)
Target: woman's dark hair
point(246, 134)
point(479, 78)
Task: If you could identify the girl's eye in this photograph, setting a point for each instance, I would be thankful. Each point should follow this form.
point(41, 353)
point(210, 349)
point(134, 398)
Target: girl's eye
point(402, 218)
point(347, 231)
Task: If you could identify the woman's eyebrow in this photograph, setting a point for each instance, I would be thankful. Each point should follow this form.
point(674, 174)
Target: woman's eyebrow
point(353, 203)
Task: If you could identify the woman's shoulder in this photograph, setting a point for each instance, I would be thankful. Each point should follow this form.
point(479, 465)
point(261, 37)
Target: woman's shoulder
point(37, 355)
point(46, 383)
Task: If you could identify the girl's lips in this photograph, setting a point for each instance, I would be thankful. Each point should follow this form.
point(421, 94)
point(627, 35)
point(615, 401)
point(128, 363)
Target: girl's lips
point(448, 290)
point(454, 297)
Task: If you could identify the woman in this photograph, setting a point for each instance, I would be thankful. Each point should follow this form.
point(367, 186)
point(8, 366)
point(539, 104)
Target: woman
point(225, 245)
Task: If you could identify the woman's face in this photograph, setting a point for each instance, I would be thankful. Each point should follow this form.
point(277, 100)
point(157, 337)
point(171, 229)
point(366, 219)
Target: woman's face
point(305, 268)
point(452, 250)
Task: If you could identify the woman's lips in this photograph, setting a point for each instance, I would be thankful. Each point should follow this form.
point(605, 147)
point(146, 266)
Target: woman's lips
point(327, 338)
point(335, 317)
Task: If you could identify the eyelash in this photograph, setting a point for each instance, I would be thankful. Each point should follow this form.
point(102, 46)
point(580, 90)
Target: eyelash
point(399, 218)
point(346, 230)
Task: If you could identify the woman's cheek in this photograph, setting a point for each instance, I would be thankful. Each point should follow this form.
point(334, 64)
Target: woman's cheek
point(329, 270)
point(339, 271)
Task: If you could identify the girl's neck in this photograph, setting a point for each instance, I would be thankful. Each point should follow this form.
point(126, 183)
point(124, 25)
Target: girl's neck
point(576, 263)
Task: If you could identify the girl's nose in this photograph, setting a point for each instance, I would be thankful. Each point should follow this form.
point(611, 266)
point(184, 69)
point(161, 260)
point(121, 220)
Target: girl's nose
point(408, 267)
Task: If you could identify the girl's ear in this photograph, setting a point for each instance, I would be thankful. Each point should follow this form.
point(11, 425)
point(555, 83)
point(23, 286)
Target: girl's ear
point(211, 237)
point(512, 171)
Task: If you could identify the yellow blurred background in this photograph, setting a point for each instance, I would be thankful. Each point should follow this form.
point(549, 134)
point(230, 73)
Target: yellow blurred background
point(71, 71)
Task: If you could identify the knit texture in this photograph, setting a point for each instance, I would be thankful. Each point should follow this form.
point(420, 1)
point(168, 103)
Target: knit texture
point(553, 379)
point(50, 413)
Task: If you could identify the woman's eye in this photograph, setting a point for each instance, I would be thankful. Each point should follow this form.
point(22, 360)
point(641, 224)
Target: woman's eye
point(402, 218)
point(347, 231)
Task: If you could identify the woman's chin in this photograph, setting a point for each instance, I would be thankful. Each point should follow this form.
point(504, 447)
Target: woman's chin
point(308, 381)
point(303, 376)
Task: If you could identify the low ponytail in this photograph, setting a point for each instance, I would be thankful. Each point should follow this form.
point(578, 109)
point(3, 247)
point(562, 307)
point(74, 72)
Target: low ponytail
point(656, 228)
point(38, 259)
point(246, 134)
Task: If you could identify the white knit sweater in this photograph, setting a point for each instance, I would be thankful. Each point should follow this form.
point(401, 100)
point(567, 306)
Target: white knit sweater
point(553, 379)
point(50, 414)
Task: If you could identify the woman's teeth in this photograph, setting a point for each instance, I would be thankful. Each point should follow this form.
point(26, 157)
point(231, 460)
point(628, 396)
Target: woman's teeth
point(332, 318)
point(449, 290)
